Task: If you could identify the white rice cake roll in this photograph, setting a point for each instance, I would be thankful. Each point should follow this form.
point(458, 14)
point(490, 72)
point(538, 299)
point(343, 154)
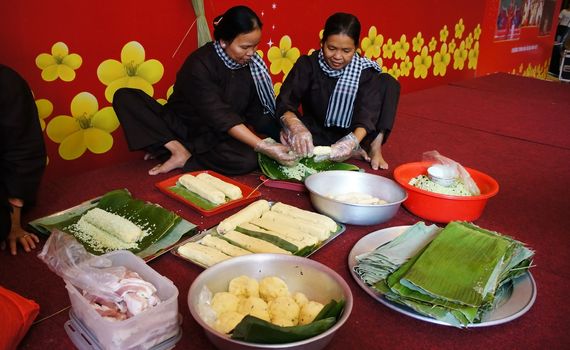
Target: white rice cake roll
point(202, 188)
point(231, 191)
point(321, 150)
point(319, 231)
point(98, 239)
point(300, 240)
point(316, 218)
point(223, 246)
point(113, 224)
point(202, 254)
point(253, 244)
point(252, 211)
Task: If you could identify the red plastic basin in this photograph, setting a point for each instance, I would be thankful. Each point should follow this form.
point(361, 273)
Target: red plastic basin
point(440, 207)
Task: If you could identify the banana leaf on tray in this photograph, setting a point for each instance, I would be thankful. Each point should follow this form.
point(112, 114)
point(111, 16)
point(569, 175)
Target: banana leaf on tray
point(306, 166)
point(162, 227)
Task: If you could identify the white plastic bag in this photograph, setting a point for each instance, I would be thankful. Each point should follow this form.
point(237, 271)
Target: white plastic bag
point(454, 168)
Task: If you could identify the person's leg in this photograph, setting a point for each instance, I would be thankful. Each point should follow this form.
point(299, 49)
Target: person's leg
point(228, 157)
point(179, 155)
point(390, 98)
point(147, 127)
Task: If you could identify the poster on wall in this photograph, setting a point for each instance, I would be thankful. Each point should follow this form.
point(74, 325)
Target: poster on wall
point(509, 20)
point(545, 25)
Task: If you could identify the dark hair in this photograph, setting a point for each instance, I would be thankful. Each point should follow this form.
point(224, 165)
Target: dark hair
point(342, 23)
point(235, 21)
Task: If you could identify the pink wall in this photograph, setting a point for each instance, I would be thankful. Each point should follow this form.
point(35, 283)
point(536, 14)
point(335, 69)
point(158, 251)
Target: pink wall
point(98, 31)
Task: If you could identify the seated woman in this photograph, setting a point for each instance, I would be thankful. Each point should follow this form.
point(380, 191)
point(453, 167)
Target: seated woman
point(222, 92)
point(345, 99)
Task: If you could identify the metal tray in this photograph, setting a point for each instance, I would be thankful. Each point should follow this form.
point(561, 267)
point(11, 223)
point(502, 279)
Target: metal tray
point(166, 243)
point(341, 229)
point(523, 293)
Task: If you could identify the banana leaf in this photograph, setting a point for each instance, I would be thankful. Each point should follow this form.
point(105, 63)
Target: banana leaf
point(192, 197)
point(163, 228)
point(307, 166)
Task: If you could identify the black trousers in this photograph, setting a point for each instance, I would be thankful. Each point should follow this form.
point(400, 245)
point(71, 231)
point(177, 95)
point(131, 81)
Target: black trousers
point(149, 126)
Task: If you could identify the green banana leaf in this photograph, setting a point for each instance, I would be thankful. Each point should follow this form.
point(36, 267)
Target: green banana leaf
point(307, 166)
point(192, 197)
point(163, 226)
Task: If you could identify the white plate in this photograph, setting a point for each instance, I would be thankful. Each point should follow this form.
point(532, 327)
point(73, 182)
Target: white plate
point(522, 296)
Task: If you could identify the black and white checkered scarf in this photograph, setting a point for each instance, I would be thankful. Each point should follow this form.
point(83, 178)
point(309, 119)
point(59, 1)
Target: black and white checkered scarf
point(260, 75)
point(341, 103)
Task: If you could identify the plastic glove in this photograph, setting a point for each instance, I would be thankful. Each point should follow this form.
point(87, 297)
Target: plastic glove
point(281, 153)
point(344, 148)
point(297, 136)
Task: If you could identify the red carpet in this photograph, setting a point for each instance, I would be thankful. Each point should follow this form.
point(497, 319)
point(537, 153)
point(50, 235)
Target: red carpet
point(463, 123)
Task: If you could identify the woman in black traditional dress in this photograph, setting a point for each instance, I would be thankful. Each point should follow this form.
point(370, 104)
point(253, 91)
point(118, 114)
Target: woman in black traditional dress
point(22, 158)
point(221, 107)
point(345, 98)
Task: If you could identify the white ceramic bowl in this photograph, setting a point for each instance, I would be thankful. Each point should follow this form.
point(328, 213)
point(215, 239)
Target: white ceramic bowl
point(317, 281)
point(336, 182)
point(440, 174)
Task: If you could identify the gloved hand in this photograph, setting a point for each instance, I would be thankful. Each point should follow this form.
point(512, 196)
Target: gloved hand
point(297, 136)
point(344, 148)
point(281, 153)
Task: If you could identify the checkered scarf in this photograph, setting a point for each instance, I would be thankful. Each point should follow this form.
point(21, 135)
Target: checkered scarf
point(341, 102)
point(260, 75)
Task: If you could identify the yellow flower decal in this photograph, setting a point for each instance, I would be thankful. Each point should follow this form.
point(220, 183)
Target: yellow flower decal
point(133, 71)
point(441, 60)
point(283, 58)
point(388, 49)
point(394, 71)
point(469, 41)
point(459, 56)
point(86, 128)
point(432, 44)
point(380, 61)
point(401, 47)
point(260, 53)
point(422, 62)
point(277, 88)
point(477, 32)
point(459, 28)
point(473, 56)
point(443, 34)
point(169, 92)
point(405, 67)
point(60, 64)
point(372, 44)
point(452, 46)
point(417, 42)
point(45, 108)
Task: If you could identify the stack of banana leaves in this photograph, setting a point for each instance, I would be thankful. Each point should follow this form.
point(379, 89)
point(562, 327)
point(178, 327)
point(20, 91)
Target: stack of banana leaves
point(305, 167)
point(455, 275)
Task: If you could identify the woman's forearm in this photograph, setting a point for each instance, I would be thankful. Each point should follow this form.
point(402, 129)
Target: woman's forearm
point(241, 133)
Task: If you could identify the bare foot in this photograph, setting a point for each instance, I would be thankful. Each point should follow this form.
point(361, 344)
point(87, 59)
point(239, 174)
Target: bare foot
point(179, 157)
point(376, 158)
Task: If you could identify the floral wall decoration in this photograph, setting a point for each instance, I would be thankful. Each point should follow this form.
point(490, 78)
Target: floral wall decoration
point(74, 73)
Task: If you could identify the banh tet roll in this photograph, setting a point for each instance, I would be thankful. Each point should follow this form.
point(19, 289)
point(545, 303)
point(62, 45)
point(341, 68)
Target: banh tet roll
point(320, 231)
point(202, 188)
point(202, 254)
point(252, 244)
point(305, 215)
point(113, 224)
point(223, 246)
point(252, 211)
point(231, 191)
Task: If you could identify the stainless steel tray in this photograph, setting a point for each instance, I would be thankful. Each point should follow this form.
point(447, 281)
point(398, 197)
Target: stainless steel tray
point(166, 243)
point(522, 296)
point(341, 229)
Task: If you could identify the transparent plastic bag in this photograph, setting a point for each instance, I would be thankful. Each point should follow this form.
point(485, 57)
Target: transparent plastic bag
point(451, 168)
point(93, 274)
